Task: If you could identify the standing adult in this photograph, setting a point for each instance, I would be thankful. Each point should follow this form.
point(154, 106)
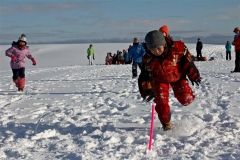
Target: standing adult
point(136, 53)
point(199, 47)
point(18, 52)
point(228, 48)
point(236, 43)
point(90, 54)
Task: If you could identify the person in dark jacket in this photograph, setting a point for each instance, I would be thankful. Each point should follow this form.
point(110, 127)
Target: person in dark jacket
point(228, 48)
point(136, 53)
point(236, 43)
point(126, 56)
point(166, 67)
point(199, 47)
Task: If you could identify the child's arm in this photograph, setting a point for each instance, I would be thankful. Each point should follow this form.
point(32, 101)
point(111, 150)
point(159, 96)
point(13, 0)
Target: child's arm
point(190, 69)
point(145, 83)
point(29, 56)
point(9, 52)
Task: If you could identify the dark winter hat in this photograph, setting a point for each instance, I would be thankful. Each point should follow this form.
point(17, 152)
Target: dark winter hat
point(236, 29)
point(154, 39)
point(135, 40)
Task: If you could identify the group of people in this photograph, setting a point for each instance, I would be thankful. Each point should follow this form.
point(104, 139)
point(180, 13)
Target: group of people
point(163, 62)
point(228, 47)
point(121, 57)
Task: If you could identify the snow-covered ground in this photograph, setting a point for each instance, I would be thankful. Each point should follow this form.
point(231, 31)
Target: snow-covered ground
point(70, 110)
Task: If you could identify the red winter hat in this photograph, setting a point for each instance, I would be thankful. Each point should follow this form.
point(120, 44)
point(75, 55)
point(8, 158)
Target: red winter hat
point(164, 29)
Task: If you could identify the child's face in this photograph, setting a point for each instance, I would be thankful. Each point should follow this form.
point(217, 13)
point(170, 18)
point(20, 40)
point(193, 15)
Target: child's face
point(157, 51)
point(22, 44)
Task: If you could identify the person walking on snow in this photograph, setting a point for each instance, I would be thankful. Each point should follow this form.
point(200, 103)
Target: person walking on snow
point(228, 48)
point(236, 43)
point(18, 52)
point(136, 53)
point(199, 47)
point(165, 66)
point(90, 54)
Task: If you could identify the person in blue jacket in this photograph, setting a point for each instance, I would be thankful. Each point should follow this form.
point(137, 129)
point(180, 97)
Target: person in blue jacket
point(228, 48)
point(136, 53)
point(126, 56)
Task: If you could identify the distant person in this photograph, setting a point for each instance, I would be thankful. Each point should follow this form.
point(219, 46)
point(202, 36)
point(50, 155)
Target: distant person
point(120, 58)
point(114, 58)
point(127, 59)
point(228, 48)
point(199, 47)
point(109, 58)
point(136, 53)
point(18, 52)
point(90, 54)
point(236, 43)
point(130, 46)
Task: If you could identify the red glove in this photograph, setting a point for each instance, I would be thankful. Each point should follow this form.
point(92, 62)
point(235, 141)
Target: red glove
point(13, 58)
point(33, 62)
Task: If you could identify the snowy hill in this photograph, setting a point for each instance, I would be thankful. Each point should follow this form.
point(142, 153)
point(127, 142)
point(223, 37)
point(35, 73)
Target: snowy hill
point(74, 111)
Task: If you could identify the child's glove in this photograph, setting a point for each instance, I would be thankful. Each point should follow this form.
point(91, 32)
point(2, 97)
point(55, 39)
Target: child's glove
point(13, 58)
point(194, 75)
point(87, 57)
point(149, 96)
point(33, 61)
point(146, 90)
point(198, 81)
point(93, 58)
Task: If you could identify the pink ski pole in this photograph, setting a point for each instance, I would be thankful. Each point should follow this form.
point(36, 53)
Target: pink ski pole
point(151, 128)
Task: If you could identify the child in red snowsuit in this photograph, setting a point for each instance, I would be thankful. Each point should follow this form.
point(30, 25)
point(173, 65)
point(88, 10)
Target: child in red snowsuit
point(165, 66)
point(18, 52)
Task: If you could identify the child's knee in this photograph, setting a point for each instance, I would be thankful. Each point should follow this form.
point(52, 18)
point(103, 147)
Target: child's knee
point(186, 99)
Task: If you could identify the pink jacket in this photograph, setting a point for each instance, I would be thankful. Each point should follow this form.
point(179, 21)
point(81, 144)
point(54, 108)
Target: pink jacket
point(19, 56)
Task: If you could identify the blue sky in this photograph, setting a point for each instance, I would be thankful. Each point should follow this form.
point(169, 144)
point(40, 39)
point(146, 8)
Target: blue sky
point(67, 20)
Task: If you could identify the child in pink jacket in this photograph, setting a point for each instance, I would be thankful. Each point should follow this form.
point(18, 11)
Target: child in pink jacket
point(18, 52)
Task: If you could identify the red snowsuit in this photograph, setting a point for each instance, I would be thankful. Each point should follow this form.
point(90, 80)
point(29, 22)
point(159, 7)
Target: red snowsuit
point(236, 43)
point(169, 69)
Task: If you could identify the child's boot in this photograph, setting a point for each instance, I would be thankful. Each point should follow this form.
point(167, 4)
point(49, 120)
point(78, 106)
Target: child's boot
point(167, 126)
point(16, 82)
point(21, 84)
